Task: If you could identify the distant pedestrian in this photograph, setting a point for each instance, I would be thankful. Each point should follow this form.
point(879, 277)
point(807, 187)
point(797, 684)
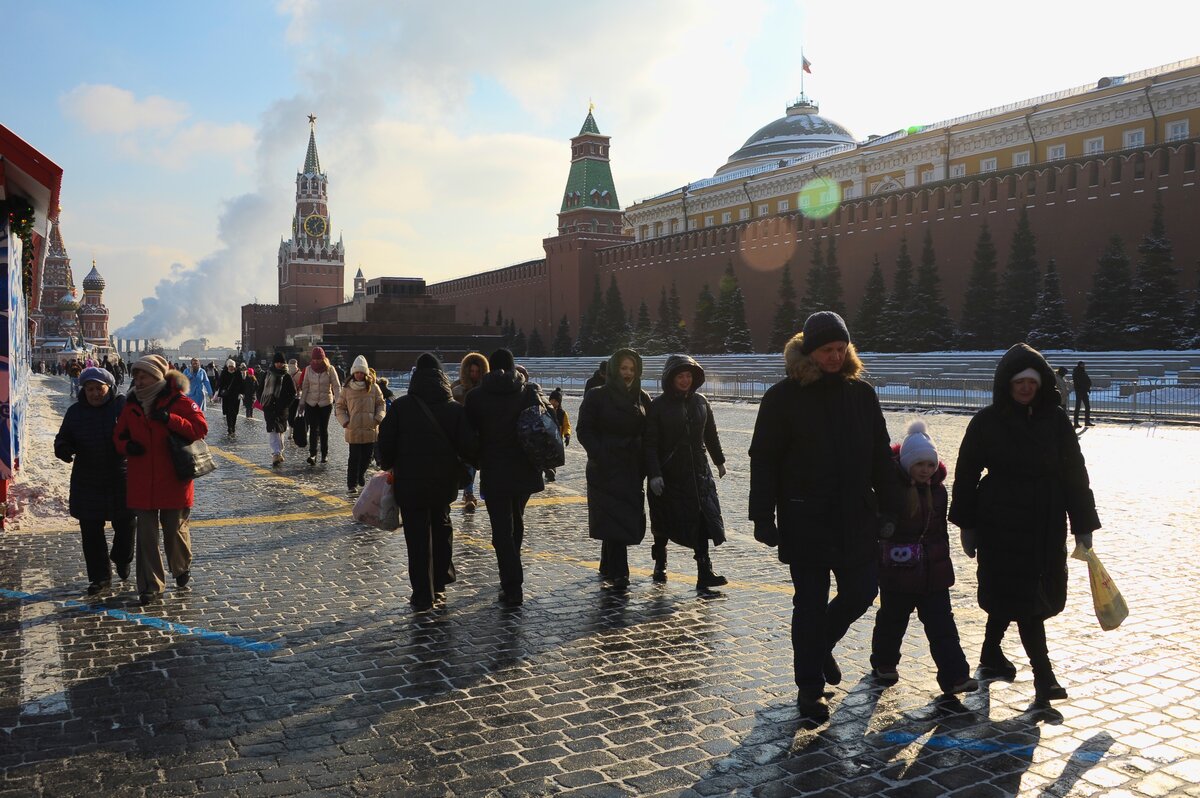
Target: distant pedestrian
point(508, 478)
point(85, 439)
point(821, 463)
point(1064, 389)
point(471, 370)
point(319, 388)
point(611, 425)
point(599, 377)
point(249, 389)
point(1083, 387)
point(229, 391)
point(201, 387)
point(916, 572)
point(158, 409)
point(74, 368)
point(1015, 518)
point(564, 427)
point(423, 442)
point(681, 436)
point(360, 410)
point(278, 399)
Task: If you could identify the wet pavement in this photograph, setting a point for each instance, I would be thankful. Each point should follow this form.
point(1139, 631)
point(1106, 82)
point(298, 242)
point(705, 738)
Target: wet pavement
point(293, 664)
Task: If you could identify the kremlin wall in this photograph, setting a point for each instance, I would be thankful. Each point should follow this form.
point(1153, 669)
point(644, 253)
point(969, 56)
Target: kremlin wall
point(1086, 163)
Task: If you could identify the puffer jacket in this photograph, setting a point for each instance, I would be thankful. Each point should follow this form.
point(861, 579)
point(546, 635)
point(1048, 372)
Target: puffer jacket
point(463, 385)
point(152, 484)
point(927, 525)
point(492, 410)
point(98, 471)
point(320, 389)
point(360, 409)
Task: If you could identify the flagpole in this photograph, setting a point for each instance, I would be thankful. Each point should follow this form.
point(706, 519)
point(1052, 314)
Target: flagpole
point(801, 72)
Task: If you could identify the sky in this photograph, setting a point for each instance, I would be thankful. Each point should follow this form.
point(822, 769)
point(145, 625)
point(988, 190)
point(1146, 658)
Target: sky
point(444, 127)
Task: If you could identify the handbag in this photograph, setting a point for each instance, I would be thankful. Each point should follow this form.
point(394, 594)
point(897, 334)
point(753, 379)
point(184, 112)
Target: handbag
point(904, 566)
point(462, 474)
point(191, 459)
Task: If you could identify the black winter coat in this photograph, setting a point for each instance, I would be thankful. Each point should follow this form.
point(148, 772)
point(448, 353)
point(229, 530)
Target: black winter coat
point(928, 525)
point(278, 396)
point(679, 431)
point(492, 410)
point(1036, 479)
point(230, 387)
point(425, 463)
point(98, 472)
point(821, 462)
point(610, 427)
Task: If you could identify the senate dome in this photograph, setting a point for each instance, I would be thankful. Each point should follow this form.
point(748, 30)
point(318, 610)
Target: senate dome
point(800, 131)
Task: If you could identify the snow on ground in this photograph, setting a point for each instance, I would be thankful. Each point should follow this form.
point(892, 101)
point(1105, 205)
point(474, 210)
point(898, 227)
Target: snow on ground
point(37, 496)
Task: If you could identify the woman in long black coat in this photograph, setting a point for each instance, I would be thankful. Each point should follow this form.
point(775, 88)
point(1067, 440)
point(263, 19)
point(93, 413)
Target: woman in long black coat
point(85, 439)
point(612, 420)
point(507, 478)
point(229, 389)
point(684, 507)
point(1016, 516)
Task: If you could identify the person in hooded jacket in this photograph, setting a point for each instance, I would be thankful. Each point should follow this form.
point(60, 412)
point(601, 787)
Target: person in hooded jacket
point(201, 386)
point(611, 423)
point(360, 410)
point(158, 409)
point(278, 398)
point(1015, 518)
point(319, 388)
point(680, 432)
point(507, 478)
point(599, 377)
point(229, 391)
point(424, 440)
point(85, 439)
point(820, 470)
point(470, 373)
point(250, 388)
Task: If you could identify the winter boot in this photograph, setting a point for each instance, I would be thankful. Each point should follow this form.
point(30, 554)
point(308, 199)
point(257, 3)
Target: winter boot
point(705, 578)
point(1045, 685)
point(994, 665)
point(659, 552)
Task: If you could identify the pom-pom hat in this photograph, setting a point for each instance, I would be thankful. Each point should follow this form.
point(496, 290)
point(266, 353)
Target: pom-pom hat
point(917, 447)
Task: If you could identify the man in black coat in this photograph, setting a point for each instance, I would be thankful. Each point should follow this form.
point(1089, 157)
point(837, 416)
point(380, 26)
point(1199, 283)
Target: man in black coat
point(820, 470)
point(598, 378)
point(507, 477)
point(1083, 385)
point(424, 439)
point(278, 396)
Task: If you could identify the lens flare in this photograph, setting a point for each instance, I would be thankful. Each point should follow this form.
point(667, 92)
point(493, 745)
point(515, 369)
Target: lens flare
point(819, 198)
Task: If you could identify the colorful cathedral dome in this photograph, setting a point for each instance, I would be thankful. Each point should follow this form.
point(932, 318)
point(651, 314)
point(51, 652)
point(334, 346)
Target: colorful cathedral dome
point(93, 281)
point(800, 131)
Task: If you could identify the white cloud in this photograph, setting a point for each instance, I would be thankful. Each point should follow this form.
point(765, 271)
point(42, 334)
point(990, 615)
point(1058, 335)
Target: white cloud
point(109, 109)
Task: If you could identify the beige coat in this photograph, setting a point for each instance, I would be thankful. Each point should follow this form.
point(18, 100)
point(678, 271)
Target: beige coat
point(319, 390)
point(360, 411)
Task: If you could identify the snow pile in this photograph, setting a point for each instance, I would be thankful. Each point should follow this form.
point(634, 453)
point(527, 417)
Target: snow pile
point(38, 495)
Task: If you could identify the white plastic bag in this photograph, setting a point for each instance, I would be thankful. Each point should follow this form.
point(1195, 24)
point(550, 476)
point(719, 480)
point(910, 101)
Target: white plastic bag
point(376, 506)
point(1107, 600)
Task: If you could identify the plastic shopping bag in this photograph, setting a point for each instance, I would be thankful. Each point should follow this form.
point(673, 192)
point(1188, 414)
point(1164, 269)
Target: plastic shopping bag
point(376, 506)
point(1110, 605)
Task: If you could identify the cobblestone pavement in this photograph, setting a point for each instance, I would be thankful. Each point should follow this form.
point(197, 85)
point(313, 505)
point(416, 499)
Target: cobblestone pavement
point(294, 666)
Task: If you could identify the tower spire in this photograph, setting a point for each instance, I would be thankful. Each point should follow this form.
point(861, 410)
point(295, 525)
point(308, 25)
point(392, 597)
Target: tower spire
point(312, 164)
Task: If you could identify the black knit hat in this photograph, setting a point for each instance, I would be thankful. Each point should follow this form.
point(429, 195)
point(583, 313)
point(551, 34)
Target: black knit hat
point(429, 361)
point(279, 358)
point(502, 360)
point(823, 327)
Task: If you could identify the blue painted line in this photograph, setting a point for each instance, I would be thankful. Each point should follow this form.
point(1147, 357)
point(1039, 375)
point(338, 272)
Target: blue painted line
point(244, 643)
point(941, 741)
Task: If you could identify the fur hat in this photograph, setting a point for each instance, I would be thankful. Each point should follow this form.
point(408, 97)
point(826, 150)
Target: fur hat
point(917, 447)
point(279, 358)
point(429, 361)
point(96, 374)
point(823, 327)
point(154, 365)
point(360, 364)
point(1029, 373)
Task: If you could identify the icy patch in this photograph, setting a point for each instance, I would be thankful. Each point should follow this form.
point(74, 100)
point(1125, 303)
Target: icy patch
point(40, 491)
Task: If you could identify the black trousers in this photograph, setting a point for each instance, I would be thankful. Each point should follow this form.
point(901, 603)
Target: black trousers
point(356, 466)
point(317, 419)
point(1082, 398)
point(933, 609)
point(429, 537)
point(507, 515)
point(231, 409)
point(659, 550)
point(614, 559)
point(95, 546)
point(818, 623)
point(1033, 638)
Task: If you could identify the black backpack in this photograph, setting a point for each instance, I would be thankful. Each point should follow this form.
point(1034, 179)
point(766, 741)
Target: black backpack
point(537, 430)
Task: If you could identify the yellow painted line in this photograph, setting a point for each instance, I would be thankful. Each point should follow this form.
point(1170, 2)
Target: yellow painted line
point(267, 519)
point(303, 490)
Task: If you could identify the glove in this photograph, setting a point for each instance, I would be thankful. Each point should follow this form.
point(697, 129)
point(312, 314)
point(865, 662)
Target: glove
point(968, 542)
point(567, 440)
point(161, 414)
point(656, 485)
point(886, 530)
point(1084, 539)
point(721, 470)
point(134, 449)
point(65, 452)
point(765, 532)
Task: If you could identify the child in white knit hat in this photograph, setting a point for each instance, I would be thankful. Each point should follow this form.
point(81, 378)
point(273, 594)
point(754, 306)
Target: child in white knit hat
point(915, 572)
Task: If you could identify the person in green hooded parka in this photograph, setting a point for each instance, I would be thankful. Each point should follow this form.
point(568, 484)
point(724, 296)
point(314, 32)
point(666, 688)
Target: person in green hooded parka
point(680, 436)
point(612, 421)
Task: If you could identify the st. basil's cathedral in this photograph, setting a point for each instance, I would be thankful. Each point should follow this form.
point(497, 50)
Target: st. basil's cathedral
point(64, 325)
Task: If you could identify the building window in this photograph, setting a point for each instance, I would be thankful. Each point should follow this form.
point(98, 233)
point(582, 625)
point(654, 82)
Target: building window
point(987, 165)
point(957, 170)
point(763, 210)
point(726, 217)
point(691, 224)
point(1056, 152)
point(708, 221)
point(1021, 158)
point(1178, 130)
point(1135, 138)
point(1094, 145)
point(927, 176)
point(743, 214)
point(784, 205)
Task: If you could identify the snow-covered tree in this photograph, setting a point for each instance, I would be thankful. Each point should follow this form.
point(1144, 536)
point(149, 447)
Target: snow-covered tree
point(1050, 327)
point(705, 339)
point(587, 343)
point(643, 330)
point(1159, 311)
point(1105, 323)
point(730, 316)
point(785, 324)
point(870, 331)
point(1019, 285)
point(899, 307)
point(562, 339)
point(681, 337)
point(977, 327)
point(612, 332)
point(519, 345)
point(832, 284)
point(932, 329)
point(535, 347)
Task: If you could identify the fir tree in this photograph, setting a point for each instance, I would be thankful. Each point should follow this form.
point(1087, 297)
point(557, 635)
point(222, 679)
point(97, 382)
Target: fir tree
point(1159, 312)
point(1194, 318)
point(977, 329)
point(680, 336)
point(613, 331)
point(870, 325)
point(832, 283)
point(1019, 285)
point(814, 287)
point(704, 341)
point(519, 344)
point(510, 333)
point(535, 347)
point(486, 321)
point(785, 324)
point(643, 330)
point(661, 335)
point(1050, 327)
point(587, 343)
point(730, 316)
point(899, 308)
point(932, 329)
point(500, 318)
point(1104, 325)
point(562, 339)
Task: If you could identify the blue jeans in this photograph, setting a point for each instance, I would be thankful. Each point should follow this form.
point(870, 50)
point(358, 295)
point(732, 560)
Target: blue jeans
point(818, 623)
point(469, 490)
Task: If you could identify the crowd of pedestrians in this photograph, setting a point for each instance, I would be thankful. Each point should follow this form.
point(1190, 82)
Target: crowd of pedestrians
point(829, 492)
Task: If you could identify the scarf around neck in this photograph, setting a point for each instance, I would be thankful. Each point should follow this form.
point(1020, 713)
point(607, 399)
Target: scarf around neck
point(147, 395)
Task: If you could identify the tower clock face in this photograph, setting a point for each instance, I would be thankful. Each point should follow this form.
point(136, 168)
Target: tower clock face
point(315, 226)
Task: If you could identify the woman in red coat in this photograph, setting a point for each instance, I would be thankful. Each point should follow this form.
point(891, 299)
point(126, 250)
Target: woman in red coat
point(159, 407)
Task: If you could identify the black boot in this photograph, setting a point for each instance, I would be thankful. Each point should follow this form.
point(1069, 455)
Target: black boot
point(992, 662)
point(659, 552)
point(1045, 685)
point(705, 578)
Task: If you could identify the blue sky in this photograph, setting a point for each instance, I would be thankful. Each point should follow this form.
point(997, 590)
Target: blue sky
point(444, 127)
